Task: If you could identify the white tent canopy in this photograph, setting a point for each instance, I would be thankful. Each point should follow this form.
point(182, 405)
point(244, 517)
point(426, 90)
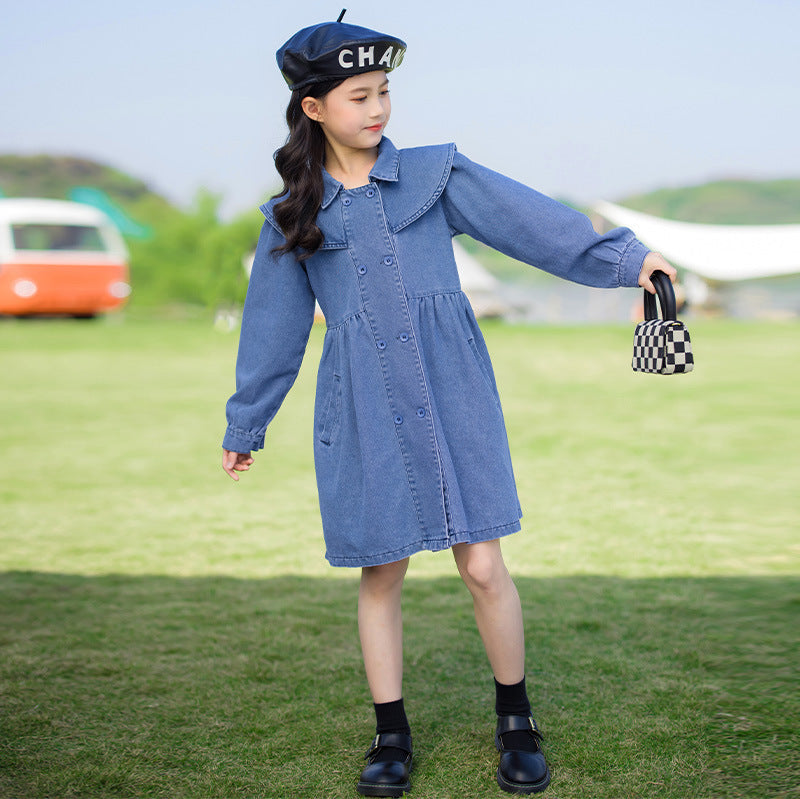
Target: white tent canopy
point(474, 276)
point(715, 252)
point(478, 283)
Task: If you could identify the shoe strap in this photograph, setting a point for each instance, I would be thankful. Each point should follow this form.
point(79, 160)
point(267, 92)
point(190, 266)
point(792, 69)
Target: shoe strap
point(517, 723)
point(396, 740)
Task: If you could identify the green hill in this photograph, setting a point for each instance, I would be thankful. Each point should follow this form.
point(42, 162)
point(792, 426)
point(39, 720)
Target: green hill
point(55, 176)
point(730, 202)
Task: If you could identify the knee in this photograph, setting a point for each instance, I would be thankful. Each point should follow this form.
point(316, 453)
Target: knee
point(483, 571)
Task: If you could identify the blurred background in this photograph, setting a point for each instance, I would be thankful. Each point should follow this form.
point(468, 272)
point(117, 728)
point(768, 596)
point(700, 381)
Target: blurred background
point(166, 117)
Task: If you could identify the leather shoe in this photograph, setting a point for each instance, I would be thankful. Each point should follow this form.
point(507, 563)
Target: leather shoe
point(386, 778)
point(521, 771)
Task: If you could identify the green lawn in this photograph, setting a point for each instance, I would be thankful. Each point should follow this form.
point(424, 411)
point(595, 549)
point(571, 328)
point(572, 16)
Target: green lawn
point(165, 632)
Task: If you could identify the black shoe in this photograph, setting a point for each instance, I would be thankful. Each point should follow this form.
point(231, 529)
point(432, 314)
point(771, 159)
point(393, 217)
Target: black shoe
point(521, 771)
point(389, 777)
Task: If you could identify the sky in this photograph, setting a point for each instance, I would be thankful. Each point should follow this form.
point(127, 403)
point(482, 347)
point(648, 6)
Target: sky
point(580, 99)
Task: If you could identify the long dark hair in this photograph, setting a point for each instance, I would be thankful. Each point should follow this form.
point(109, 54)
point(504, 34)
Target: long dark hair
point(299, 162)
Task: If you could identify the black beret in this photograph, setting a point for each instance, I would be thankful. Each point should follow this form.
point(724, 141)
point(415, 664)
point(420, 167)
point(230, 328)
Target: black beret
point(333, 50)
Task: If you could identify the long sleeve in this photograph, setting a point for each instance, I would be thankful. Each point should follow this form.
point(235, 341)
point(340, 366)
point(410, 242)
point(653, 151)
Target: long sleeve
point(526, 225)
point(277, 319)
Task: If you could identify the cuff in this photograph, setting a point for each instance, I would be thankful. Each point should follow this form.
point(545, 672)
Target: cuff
point(237, 440)
point(630, 266)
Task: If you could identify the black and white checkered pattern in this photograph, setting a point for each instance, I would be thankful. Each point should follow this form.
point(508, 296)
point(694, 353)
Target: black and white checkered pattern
point(662, 347)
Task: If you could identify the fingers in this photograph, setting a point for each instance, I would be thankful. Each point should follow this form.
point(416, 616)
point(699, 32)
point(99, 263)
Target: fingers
point(658, 262)
point(655, 262)
point(647, 284)
point(233, 462)
point(229, 462)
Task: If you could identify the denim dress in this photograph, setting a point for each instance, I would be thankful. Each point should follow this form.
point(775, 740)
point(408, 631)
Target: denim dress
point(410, 445)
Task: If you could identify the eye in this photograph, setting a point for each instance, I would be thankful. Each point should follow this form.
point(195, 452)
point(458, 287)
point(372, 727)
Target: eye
point(359, 99)
point(385, 93)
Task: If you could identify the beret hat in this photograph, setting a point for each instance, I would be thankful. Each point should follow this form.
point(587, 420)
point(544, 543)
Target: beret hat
point(332, 50)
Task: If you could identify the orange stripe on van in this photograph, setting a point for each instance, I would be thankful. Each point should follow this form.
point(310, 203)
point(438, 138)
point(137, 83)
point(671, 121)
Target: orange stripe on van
point(38, 287)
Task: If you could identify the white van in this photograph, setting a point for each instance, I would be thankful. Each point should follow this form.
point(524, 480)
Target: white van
point(60, 257)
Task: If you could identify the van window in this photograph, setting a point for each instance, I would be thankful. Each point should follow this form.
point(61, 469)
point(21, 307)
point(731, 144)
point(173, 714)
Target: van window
point(57, 237)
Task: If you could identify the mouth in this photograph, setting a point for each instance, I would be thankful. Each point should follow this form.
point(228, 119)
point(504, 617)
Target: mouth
point(375, 128)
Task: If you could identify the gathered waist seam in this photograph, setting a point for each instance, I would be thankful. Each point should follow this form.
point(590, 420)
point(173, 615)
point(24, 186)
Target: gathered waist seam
point(345, 320)
point(421, 296)
point(425, 294)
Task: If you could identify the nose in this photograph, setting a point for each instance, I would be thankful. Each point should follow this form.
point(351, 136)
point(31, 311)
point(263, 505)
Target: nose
point(378, 108)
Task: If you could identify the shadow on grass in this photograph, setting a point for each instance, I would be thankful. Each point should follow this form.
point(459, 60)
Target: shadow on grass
point(219, 687)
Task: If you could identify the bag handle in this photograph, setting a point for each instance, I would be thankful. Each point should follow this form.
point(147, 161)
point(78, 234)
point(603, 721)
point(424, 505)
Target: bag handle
point(666, 297)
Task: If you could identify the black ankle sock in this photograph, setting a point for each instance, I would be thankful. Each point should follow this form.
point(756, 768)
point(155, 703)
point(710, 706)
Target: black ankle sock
point(391, 717)
point(512, 700)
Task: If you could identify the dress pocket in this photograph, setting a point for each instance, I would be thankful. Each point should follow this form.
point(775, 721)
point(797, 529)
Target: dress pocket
point(329, 423)
point(487, 376)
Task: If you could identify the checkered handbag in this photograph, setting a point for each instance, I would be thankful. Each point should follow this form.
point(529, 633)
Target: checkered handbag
point(661, 346)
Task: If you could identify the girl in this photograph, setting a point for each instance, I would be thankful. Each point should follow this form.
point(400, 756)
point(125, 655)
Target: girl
point(410, 446)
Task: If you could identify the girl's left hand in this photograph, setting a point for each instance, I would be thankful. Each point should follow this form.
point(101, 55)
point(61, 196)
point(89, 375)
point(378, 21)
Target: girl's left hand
point(652, 262)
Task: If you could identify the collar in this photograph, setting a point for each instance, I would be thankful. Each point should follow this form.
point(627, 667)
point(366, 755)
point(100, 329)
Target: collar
point(386, 167)
point(388, 163)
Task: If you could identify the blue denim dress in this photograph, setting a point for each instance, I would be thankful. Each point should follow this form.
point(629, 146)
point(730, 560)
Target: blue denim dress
point(410, 445)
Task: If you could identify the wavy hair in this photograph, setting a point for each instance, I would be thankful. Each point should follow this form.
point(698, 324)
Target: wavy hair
point(299, 163)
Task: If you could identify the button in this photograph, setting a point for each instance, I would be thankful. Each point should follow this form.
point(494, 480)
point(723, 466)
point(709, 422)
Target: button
point(381, 344)
point(403, 337)
point(398, 419)
point(370, 192)
point(421, 413)
point(362, 270)
point(346, 201)
point(388, 260)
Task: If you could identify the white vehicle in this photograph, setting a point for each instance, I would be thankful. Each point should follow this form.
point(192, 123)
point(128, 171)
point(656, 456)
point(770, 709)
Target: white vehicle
point(60, 257)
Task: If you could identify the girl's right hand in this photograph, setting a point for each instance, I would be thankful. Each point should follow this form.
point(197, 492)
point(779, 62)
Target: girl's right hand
point(233, 462)
point(655, 261)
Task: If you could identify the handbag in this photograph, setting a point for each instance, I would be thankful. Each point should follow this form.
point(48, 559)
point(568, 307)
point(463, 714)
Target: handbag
point(661, 346)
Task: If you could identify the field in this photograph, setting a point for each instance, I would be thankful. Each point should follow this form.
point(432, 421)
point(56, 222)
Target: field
point(165, 632)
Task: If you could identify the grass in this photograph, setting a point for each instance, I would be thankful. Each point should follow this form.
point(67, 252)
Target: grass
point(166, 632)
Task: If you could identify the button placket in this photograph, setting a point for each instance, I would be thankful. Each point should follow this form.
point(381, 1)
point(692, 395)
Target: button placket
point(388, 316)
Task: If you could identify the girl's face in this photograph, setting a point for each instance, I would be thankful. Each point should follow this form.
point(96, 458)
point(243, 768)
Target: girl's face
point(355, 113)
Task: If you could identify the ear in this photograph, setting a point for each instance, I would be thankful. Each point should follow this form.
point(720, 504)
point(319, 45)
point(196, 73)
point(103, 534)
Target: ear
point(312, 108)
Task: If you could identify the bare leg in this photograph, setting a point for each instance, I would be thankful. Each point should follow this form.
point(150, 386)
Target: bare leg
point(498, 612)
point(522, 768)
point(380, 626)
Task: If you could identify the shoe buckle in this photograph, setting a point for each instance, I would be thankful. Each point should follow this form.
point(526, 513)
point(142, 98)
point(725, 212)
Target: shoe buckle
point(534, 728)
point(373, 747)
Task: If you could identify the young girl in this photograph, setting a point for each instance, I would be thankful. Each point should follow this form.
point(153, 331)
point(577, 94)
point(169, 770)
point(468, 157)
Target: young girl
point(410, 445)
